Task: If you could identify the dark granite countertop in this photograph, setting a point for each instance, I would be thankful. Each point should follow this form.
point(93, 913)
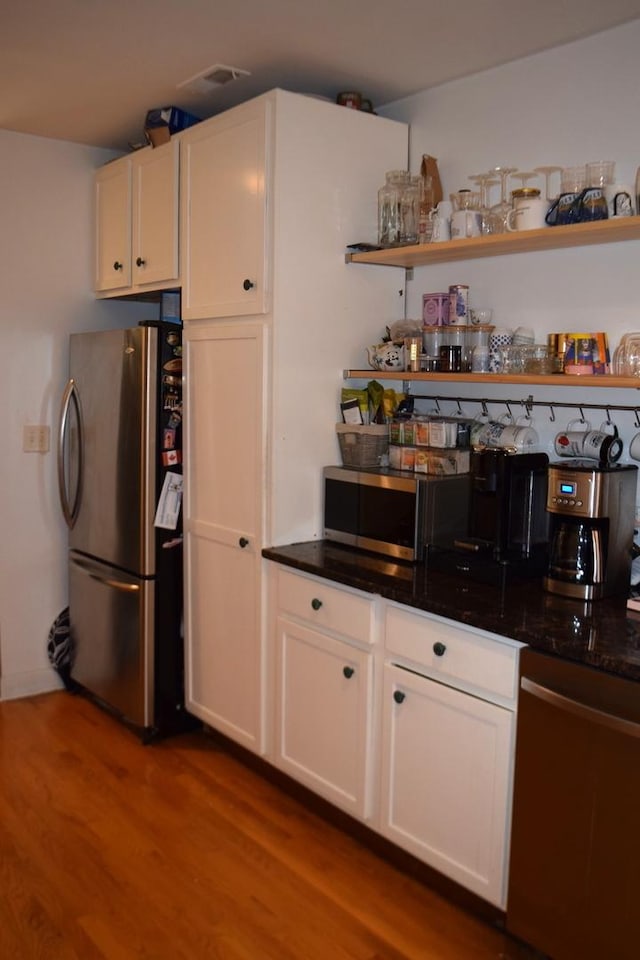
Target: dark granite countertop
point(600, 634)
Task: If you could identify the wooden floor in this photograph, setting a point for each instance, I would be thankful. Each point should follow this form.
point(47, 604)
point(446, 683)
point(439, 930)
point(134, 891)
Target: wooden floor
point(177, 851)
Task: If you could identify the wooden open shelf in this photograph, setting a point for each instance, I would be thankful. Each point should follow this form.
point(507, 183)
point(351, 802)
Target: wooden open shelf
point(528, 241)
point(554, 380)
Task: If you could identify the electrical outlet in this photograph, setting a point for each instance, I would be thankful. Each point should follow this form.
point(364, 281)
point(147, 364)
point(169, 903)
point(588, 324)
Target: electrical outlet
point(35, 438)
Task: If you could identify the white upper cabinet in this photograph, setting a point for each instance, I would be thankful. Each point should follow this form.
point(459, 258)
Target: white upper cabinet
point(137, 204)
point(113, 226)
point(224, 214)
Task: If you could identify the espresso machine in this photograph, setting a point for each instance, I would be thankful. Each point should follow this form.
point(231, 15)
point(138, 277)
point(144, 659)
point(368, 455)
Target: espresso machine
point(508, 531)
point(592, 511)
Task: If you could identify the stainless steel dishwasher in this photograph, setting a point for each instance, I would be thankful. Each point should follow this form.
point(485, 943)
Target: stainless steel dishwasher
point(574, 883)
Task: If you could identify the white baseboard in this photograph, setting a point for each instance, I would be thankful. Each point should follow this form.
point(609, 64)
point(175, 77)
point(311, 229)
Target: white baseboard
point(29, 683)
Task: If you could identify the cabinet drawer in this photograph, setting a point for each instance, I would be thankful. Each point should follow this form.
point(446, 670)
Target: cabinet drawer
point(326, 607)
point(453, 654)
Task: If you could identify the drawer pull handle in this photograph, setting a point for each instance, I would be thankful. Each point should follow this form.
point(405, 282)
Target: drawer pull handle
point(248, 284)
point(243, 542)
point(439, 649)
point(316, 604)
point(348, 672)
point(117, 265)
point(140, 262)
point(398, 696)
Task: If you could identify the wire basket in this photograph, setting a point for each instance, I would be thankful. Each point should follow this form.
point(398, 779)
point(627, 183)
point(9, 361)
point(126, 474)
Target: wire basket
point(363, 446)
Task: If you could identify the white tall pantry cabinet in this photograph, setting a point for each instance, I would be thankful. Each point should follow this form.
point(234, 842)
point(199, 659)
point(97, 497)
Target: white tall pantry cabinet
point(272, 317)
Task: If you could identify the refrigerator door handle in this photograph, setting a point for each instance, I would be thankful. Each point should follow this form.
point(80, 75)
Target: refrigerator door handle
point(116, 584)
point(69, 510)
point(107, 581)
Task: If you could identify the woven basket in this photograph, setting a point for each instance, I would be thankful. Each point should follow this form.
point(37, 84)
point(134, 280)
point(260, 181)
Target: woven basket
point(363, 446)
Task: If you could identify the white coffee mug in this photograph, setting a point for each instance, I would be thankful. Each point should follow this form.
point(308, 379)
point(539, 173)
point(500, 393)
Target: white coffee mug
point(619, 200)
point(466, 224)
point(442, 222)
point(634, 447)
point(528, 213)
point(504, 433)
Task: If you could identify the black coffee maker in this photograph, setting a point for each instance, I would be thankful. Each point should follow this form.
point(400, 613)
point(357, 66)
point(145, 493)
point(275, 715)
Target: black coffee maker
point(508, 523)
point(592, 510)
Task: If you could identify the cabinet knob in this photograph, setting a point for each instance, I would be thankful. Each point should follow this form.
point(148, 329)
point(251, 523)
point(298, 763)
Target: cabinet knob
point(243, 542)
point(316, 604)
point(248, 284)
point(439, 649)
point(348, 672)
point(398, 696)
point(117, 265)
point(140, 262)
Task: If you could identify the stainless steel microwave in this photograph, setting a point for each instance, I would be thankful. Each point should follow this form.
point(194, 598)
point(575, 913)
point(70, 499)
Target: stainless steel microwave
point(392, 512)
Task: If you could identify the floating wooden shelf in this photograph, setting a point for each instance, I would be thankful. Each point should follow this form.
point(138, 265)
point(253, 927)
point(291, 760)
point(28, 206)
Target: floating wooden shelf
point(554, 380)
point(528, 241)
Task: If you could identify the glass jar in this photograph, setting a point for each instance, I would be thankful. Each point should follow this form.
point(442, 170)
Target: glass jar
point(389, 208)
point(409, 209)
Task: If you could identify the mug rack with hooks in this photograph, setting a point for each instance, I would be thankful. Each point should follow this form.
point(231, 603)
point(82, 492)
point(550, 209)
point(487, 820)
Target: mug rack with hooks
point(528, 403)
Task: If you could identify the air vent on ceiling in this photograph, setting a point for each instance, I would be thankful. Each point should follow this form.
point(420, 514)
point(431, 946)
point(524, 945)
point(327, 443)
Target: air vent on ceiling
point(216, 76)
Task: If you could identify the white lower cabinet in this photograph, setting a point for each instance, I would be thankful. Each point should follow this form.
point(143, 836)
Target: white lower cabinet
point(224, 660)
point(324, 690)
point(446, 778)
point(323, 716)
point(448, 743)
point(400, 717)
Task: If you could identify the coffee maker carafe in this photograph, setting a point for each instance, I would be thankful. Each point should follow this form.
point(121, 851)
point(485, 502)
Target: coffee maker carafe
point(592, 509)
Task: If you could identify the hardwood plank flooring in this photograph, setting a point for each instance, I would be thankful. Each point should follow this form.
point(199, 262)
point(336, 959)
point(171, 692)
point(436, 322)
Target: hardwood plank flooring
point(111, 850)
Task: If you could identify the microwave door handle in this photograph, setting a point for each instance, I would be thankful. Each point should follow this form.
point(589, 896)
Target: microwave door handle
point(69, 510)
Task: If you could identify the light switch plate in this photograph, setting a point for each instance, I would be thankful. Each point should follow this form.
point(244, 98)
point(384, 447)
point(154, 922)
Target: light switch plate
point(35, 438)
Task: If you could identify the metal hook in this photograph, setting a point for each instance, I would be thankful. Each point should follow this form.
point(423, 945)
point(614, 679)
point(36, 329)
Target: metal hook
point(506, 403)
point(527, 409)
point(435, 400)
point(485, 409)
point(460, 411)
point(608, 421)
point(582, 419)
point(552, 413)
point(635, 413)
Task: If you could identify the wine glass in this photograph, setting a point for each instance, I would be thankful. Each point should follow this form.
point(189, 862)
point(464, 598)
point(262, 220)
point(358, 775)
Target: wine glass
point(500, 211)
point(525, 176)
point(546, 172)
point(485, 181)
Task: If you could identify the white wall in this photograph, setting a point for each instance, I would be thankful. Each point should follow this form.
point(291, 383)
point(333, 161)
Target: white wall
point(46, 269)
point(569, 105)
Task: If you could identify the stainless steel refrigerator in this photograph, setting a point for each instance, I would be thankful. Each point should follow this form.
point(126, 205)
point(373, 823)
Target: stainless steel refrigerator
point(118, 449)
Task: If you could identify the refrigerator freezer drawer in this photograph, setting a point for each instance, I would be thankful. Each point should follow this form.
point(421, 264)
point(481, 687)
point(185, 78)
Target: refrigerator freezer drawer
point(112, 632)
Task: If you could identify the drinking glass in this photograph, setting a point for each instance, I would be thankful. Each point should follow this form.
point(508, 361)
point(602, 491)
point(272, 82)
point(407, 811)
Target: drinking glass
point(501, 210)
point(485, 181)
point(546, 172)
point(525, 176)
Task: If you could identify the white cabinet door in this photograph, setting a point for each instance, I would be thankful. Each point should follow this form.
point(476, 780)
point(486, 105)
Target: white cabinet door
point(224, 436)
point(137, 221)
point(446, 776)
point(223, 225)
point(155, 214)
point(323, 714)
point(113, 225)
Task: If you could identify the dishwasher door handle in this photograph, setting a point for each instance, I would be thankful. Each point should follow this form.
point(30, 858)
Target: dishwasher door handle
point(603, 719)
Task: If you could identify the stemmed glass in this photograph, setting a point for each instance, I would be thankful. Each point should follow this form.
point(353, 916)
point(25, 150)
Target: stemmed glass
point(547, 171)
point(485, 181)
point(525, 176)
point(501, 210)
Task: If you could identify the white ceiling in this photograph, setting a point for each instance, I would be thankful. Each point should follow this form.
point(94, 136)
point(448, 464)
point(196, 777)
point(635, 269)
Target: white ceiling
point(88, 70)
